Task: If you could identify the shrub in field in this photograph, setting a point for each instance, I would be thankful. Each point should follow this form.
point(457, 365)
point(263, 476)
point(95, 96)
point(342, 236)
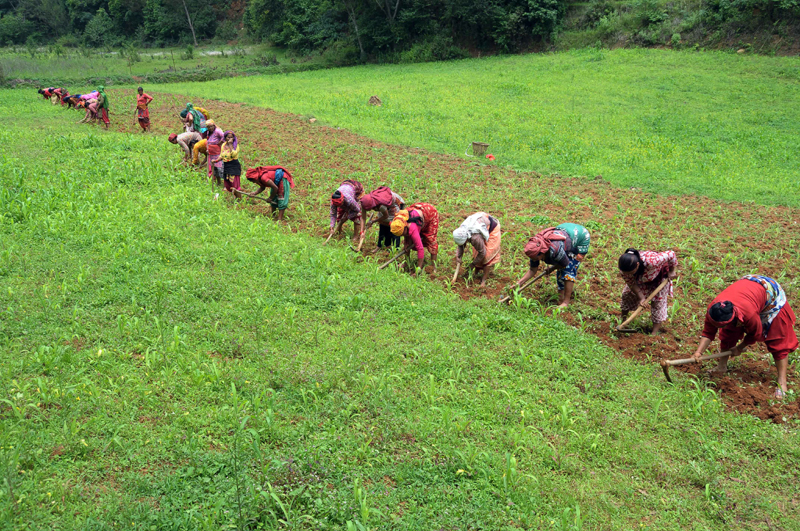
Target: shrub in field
point(188, 53)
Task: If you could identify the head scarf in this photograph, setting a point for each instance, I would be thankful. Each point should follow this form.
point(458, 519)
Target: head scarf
point(173, 137)
point(722, 313)
point(209, 122)
point(474, 224)
point(235, 140)
point(629, 261)
point(336, 198)
point(540, 243)
point(102, 91)
point(399, 223)
point(368, 202)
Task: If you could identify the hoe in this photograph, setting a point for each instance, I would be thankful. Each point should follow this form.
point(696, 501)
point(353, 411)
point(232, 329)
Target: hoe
point(547, 271)
point(635, 314)
point(666, 364)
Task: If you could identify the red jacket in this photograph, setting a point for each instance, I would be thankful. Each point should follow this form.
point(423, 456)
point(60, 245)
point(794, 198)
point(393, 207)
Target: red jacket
point(749, 299)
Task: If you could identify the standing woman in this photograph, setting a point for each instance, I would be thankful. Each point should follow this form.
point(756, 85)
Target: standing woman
point(420, 226)
point(642, 272)
point(214, 149)
point(103, 105)
point(483, 232)
point(231, 167)
point(346, 207)
point(386, 204)
point(142, 112)
point(276, 178)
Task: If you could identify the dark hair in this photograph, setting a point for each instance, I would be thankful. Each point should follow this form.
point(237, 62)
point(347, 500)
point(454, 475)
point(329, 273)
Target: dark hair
point(629, 260)
point(140, 88)
point(336, 195)
point(721, 312)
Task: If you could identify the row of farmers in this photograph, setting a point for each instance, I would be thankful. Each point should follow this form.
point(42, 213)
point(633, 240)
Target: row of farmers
point(97, 106)
point(752, 309)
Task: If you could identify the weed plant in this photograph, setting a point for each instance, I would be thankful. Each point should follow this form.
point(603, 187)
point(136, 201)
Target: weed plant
point(714, 124)
point(170, 362)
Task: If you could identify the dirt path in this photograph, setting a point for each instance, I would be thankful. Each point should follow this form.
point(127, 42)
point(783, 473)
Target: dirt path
point(716, 242)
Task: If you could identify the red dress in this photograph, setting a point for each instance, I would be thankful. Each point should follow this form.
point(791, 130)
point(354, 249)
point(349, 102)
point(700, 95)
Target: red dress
point(144, 114)
point(749, 299)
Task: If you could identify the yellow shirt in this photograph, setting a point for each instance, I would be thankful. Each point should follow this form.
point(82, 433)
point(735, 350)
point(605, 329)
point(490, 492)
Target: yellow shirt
point(228, 154)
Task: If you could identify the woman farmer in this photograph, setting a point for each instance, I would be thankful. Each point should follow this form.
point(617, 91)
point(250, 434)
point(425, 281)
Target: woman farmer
point(142, 112)
point(420, 226)
point(200, 147)
point(91, 111)
point(276, 178)
point(103, 105)
point(193, 119)
point(186, 141)
point(754, 307)
point(386, 204)
point(231, 168)
point(483, 232)
point(563, 248)
point(214, 142)
point(345, 207)
point(643, 272)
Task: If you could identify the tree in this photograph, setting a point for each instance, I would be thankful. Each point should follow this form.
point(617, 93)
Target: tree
point(189, 18)
point(100, 30)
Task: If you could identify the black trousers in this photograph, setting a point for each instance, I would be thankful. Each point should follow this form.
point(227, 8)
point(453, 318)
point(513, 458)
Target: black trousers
point(386, 238)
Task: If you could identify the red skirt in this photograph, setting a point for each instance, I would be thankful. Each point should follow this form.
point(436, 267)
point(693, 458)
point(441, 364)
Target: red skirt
point(104, 116)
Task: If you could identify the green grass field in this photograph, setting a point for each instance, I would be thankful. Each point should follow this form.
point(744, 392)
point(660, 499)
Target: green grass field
point(715, 124)
point(170, 362)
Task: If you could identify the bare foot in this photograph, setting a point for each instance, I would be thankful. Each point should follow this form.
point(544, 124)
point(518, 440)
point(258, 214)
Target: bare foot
point(717, 371)
point(563, 305)
point(779, 394)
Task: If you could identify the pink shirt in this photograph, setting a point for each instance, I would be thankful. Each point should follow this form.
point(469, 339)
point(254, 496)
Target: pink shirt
point(413, 233)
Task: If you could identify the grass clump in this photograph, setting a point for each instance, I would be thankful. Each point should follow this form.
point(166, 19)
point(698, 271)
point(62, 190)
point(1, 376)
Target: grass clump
point(169, 361)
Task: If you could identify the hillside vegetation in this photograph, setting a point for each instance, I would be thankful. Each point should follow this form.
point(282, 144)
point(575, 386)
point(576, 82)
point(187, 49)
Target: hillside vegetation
point(171, 362)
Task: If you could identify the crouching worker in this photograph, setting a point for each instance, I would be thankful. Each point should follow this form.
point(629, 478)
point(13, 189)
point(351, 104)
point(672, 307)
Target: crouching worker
point(187, 141)
point(755, 308)
point(483, 232)
point(643, 272)
point(420, 227)
point(345, 206)
point(279, 181)
point(563, 248)
point(386, 204)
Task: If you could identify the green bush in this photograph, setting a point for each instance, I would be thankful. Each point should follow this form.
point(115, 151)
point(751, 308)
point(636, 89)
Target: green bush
point(188, 53)
point(438, 48)
point(341, 53)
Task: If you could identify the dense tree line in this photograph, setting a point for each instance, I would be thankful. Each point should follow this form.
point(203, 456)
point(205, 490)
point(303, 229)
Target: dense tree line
point(369, 27)
point(347, 30)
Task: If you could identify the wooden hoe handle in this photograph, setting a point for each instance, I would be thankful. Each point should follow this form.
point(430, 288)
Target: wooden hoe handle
point(527, 284)
point(666, 364)
point(638, 310)
point(393, 259)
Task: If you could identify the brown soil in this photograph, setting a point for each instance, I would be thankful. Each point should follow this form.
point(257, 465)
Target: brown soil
point(716, 242)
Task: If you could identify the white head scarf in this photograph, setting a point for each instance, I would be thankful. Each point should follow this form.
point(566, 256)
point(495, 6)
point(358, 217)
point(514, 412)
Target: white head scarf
point(475, 224)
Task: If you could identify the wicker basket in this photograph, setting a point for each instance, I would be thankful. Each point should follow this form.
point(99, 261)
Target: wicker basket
point(478, 149)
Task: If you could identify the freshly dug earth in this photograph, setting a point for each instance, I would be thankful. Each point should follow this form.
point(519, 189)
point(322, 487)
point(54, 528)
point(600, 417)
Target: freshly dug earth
point(717, 243)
